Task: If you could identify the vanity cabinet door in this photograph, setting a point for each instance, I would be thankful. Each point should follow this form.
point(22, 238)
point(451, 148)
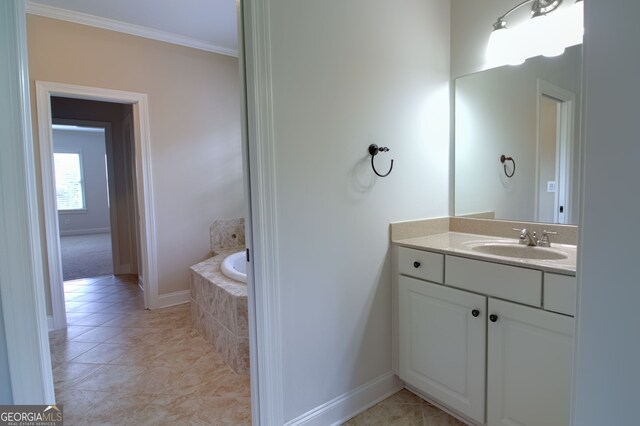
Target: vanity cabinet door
point(529, 366)
point(443, 344)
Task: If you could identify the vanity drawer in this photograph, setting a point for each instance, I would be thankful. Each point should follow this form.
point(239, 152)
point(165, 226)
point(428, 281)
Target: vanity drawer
point(560, 293)
point(421, 264)
point(493, 279)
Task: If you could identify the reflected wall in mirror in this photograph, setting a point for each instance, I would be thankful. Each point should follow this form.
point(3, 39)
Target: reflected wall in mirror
point(530, 113)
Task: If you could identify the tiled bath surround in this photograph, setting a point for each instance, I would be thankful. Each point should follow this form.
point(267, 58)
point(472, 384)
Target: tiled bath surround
point(219, 312)
point(219, 304)
point(227, 235)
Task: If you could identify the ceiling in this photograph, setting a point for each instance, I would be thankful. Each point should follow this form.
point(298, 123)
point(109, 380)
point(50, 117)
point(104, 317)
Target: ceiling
point(207, 24)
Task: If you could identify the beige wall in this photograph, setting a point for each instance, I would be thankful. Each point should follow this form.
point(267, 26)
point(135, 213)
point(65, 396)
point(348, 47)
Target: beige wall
point(194, 107)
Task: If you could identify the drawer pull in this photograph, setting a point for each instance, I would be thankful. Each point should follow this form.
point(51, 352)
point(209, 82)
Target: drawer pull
point(423, 265)
point(493, 318)
point(475, 313)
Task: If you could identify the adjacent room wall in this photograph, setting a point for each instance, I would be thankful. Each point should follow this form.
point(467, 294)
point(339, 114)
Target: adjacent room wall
point(608, 346)
point(194, 105)
point(342, 81)
point(91, 147)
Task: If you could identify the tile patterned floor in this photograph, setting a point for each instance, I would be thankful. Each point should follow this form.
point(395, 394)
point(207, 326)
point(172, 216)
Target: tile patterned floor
point(120, 364)
point(404, 409)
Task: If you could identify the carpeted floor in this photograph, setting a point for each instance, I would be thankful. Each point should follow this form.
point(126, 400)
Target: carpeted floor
point(86, 256)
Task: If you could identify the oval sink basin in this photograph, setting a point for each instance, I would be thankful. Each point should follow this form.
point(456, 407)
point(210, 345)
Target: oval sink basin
point(519, 251)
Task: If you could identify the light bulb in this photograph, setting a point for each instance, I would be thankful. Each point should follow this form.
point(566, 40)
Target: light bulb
point(552, 35)
point(533, 38)
point(513, 52)
point(496, 48)
point(573, 18)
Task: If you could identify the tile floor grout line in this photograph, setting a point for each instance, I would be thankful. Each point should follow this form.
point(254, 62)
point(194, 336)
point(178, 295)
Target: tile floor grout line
point(127, 341)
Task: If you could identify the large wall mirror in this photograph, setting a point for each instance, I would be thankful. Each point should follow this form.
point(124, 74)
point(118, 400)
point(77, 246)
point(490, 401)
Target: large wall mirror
point(528, 116)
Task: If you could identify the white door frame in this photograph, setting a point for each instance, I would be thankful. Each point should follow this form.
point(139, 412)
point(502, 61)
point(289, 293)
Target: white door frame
point(564, 149)
point(21, 272)
point(44, 92)
point(263, 284)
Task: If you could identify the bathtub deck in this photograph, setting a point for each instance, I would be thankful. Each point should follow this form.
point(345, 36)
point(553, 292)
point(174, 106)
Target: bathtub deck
point(219, 312)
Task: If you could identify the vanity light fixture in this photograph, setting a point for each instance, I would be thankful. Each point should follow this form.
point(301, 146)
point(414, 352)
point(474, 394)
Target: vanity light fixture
point(545, 33)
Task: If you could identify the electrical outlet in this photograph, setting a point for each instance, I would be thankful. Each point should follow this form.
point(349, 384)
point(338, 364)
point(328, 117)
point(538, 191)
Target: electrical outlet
point(551, 186)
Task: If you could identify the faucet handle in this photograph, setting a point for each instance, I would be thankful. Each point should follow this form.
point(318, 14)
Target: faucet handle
point(545, 241)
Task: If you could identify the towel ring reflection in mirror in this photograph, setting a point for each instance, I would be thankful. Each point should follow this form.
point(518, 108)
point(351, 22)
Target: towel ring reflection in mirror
point(374, 150)
point(503, 160)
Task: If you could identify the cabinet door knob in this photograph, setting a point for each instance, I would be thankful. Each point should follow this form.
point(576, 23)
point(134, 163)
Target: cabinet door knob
point(493, 317)
point(475, 312)
point(416, 264)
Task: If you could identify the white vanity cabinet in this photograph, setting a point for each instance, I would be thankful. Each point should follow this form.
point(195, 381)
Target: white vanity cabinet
point(443, 344)
point(495, 362)
point(529, 359)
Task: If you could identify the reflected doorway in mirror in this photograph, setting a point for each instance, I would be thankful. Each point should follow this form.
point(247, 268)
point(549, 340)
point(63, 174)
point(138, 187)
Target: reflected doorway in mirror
point(555, 124)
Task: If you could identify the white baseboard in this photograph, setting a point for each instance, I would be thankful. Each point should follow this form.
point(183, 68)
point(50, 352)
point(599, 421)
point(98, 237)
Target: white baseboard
point(123, 269)
point(84, 231)
point(352, 403)
point(175, 298)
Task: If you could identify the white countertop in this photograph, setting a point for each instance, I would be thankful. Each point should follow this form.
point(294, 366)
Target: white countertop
point(459, 244)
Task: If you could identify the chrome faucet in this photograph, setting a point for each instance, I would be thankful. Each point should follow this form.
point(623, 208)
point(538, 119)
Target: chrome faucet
point(526, 237)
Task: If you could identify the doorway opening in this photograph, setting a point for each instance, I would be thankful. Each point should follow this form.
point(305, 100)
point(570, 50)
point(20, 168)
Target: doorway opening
point(82, 178)
point(554, 178)
point(119, 238)
point(94, 163)
point(102, 237)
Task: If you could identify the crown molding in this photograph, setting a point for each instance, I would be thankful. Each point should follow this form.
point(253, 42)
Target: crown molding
point(123, 27)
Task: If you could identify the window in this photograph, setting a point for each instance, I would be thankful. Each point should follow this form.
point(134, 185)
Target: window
point(69, 185)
